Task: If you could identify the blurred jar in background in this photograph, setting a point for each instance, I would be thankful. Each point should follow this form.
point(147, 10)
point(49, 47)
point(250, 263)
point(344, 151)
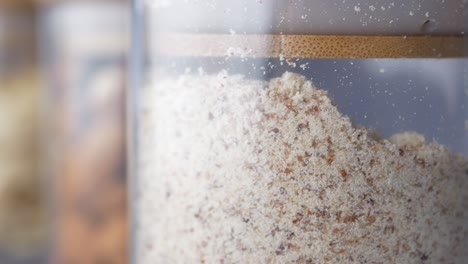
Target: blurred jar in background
point(22, 214)
point(83, 46)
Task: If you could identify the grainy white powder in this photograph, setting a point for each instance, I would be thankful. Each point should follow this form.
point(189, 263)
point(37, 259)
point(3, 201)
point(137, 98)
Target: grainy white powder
point(233, 170)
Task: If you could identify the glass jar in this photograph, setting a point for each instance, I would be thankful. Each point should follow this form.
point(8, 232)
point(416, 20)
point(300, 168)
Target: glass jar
point(299, 132)
point(22, 212)
point(83, 54)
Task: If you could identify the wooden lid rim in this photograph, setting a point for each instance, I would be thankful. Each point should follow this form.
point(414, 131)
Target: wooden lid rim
point(307, 46)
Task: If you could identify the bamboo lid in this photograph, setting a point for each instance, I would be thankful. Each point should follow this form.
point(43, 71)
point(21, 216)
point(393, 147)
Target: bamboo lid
point(306, 28)
point(308, 46)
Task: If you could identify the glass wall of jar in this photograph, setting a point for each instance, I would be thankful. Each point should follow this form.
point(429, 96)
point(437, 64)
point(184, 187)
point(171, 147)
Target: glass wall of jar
point(83, 53)
point(22, 213)
point(299, 132)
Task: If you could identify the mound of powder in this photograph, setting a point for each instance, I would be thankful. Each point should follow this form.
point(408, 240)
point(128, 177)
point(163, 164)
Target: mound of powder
point(232, 170)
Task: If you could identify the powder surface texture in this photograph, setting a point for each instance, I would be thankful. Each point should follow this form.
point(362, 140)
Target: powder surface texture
point(233, 170)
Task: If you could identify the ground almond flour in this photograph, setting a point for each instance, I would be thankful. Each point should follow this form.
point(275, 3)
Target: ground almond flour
point(233, 170)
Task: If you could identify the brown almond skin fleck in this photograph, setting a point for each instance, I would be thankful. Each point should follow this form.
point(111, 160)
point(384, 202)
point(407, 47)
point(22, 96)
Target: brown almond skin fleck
point(389, 229)
point(350, 218)
point(371, 219)
point(321, 194)
point(314, 144)
point(270, 116)
point(343, 173)
point(300, 159)
point(336, 230)
point(302, 126)
point(338, 216)
point(312, 110)
point(401, 152)
point(421, 162)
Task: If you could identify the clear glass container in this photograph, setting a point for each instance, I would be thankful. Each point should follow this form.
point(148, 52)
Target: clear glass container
point(299, 132)
point(83, 47)
point(22, 211)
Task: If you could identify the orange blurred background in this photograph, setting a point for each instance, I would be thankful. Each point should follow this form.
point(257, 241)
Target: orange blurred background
point(62, 132)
